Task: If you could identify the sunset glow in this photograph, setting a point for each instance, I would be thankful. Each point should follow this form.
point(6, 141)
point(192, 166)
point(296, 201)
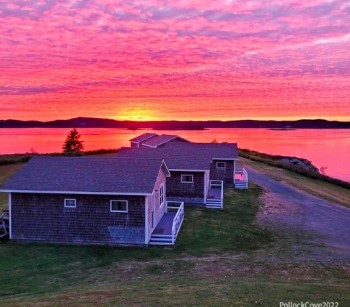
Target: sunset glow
point(136, 113)
point(165, 60)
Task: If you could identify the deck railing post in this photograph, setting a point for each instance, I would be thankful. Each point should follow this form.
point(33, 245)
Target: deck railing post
point(222, 194)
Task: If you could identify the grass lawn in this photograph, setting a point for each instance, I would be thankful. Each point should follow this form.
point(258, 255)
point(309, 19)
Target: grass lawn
point(214, 263)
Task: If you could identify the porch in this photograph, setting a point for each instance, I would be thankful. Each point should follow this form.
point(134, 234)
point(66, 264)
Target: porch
point(215, 196)
point(169, 225)
point(240, 179)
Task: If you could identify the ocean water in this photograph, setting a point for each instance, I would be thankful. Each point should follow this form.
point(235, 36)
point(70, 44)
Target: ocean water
point(328, 148)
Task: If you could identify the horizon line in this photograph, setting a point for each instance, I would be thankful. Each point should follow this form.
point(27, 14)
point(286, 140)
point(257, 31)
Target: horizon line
point(174, 120)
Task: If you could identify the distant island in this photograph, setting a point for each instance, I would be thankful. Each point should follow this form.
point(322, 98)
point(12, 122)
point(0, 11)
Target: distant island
point(89, 122)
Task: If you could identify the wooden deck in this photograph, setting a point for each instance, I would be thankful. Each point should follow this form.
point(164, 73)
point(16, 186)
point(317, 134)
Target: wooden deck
point(214, 193)
point(241, 178)
point(165, 224)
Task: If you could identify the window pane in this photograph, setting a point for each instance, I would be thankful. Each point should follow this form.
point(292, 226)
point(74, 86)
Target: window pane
point(161, 195)
point(187, 178)
point(70, 203)
point(119, 205)
point(221, 164)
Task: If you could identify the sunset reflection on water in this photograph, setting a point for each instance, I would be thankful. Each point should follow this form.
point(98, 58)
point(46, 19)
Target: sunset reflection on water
point(325, 148)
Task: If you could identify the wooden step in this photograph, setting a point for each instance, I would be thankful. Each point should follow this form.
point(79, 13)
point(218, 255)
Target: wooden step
point(158, 239)
point(241, 185)
point(214, 206)
point(214, 203)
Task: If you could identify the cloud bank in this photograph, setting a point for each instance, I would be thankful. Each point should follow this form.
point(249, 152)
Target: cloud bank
point(195, 59)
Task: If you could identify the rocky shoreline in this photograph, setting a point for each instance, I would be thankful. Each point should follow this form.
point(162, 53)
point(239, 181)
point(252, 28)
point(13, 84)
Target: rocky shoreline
point(300, 163)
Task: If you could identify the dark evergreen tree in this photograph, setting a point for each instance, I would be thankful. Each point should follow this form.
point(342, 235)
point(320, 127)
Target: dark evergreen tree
point(73, 144)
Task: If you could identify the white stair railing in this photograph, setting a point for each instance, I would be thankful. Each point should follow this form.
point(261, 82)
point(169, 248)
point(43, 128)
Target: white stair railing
point(216, 203)
point(178, 219)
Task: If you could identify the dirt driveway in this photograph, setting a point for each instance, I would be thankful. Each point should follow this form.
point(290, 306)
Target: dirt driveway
point(311, 227)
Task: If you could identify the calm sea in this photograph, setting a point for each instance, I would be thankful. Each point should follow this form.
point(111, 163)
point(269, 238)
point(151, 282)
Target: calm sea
point(325, 148)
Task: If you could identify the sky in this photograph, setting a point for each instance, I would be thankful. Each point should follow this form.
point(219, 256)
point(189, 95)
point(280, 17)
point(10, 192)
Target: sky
point(175, 60)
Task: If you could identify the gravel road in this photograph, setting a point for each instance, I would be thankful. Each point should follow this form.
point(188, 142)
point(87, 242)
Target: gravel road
point(318, 227)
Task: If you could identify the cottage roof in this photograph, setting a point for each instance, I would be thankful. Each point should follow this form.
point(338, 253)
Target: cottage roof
point(183, 155)
point(143, 137)
point(86, 175)
point(160, 140)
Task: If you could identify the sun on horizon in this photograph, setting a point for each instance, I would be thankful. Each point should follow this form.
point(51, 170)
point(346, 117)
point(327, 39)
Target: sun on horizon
point(136, 114)
point(175, 60)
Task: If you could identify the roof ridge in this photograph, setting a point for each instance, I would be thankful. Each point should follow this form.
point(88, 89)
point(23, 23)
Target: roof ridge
point(92, 158)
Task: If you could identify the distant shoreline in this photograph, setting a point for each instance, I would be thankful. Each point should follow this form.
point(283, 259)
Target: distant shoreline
point(88, 122)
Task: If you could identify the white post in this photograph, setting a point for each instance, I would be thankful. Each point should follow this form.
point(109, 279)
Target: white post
point(146, 220)
point(173, 234)
point(222, 194)
point(165, 202)
point(10, 216)
point(206, 178)
point(234, 172)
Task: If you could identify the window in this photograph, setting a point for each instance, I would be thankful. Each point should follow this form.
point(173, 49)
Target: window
point(186, 178)
point(70, 203)
point(161, 195)
point(119, 206)
point(221, 165)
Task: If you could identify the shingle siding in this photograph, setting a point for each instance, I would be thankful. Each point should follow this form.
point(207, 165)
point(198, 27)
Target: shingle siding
point(43, 217)
point(159, 210)
point(187, 192)
point(222, 174)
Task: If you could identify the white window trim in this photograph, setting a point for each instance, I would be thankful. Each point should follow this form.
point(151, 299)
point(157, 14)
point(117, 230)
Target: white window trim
point(119, 200)
point(69, 200)
point(163, 202)
point(182, 181)
point(221, 167)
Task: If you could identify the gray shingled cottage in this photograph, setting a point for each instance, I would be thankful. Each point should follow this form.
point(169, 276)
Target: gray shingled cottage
point(198, 171)
point(93, 201)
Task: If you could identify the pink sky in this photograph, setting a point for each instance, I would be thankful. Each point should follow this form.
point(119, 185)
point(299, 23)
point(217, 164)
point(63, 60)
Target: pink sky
point(179, 60)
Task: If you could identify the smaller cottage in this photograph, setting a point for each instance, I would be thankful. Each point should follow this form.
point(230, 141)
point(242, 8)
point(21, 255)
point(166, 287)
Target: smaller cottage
point(137, 141)
point(152, 140)
point(198, 170)
point(92, 201)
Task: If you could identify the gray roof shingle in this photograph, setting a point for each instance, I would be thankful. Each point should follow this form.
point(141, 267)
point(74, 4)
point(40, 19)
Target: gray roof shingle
point(86, 174)
point(160, 139)
point(143, 137)
point(184, 156)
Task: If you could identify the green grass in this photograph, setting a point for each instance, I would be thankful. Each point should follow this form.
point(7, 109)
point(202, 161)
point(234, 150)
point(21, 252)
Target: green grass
point(232, 229)
point(37, 269)
point(157, 289)
point(196, 292)
point(214, 262)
